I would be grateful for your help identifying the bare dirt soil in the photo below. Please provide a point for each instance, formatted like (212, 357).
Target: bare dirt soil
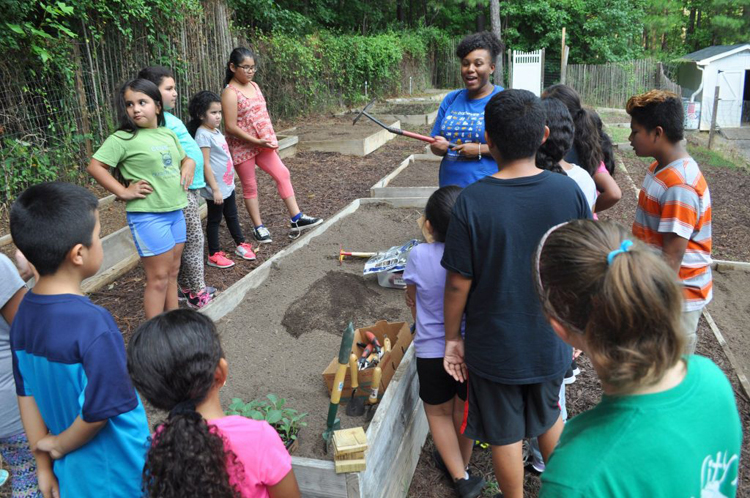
(730, 309)
(418, 174)
(337, 128)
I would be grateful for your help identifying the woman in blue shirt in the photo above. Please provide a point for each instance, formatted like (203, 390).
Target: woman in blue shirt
(460, 119)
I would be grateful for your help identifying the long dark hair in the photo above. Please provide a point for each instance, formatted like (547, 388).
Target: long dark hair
(561, 132)
(143, 86)
(438, 210)
(198, 107)
(238, 55)
(172, 359)
(588, 136)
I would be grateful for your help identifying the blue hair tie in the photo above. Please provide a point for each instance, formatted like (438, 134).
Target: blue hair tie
(624, 247)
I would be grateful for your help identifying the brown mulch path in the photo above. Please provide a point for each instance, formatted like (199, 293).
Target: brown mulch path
(324, 183)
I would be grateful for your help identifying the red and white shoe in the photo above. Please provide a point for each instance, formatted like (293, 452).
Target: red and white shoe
(220, 260)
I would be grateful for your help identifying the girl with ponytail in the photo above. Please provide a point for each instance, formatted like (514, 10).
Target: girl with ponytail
(667, 424)
(592, 147)
(177, 363)
(552, 152)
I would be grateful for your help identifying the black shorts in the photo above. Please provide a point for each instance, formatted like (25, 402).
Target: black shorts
(436, 386)
(501, 414)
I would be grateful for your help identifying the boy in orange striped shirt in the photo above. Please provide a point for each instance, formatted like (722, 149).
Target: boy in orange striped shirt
(674, 204)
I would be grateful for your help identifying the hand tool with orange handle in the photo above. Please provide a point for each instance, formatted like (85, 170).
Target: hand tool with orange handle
(356, 406)
(333, 423)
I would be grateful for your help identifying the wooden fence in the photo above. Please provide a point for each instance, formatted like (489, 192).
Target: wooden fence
(611, 85)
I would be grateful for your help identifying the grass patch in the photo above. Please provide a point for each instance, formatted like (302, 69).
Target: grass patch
(617, 134)
(706, 157)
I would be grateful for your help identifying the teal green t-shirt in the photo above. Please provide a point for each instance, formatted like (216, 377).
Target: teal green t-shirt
(154, 155)
(189, 146)
(684, 442)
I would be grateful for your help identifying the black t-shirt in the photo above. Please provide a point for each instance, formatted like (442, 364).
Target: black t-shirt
(494, 231)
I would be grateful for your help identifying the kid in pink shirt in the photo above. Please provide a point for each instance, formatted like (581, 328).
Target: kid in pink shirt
(176, 362)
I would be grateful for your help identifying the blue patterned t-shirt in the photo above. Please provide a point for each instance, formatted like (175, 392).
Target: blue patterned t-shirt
(461, 120)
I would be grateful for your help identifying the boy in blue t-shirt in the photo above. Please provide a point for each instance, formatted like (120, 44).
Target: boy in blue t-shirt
(80, 411)
(510, 355)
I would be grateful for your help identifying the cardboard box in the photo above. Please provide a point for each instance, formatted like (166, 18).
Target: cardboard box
(400, 336)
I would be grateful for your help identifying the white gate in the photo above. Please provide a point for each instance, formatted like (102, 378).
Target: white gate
(528, 70)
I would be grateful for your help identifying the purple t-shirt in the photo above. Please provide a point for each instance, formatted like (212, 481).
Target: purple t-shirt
(424, 270)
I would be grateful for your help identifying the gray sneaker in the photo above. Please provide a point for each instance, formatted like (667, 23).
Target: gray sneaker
(262, 235)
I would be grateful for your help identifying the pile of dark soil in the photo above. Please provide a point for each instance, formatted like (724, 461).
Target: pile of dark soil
(336, 298)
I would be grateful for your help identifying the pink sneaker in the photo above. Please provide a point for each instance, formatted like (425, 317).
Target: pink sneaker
(220, 260)
(245, 251)
(199, 300)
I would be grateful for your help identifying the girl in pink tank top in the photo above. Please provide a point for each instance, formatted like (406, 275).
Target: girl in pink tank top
(252, 140)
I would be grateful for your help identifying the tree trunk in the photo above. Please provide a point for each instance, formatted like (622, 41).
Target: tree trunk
(480, 18)
(691, 22)
(400, 11)
(497, 29)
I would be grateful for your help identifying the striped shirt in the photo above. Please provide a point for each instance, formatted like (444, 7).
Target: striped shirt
(676, 200)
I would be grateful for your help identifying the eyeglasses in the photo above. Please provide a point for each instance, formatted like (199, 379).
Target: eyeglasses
(248, 69)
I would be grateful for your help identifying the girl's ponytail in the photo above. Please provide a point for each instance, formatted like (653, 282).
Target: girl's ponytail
(560, 139)
(187, 458)
(172, 360)
(623, 298)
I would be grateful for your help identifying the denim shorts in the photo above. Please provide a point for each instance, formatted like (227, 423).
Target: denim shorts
(157, 233)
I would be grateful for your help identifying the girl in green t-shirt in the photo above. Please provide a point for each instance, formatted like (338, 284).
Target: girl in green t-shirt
(667, 424)
(158, 173)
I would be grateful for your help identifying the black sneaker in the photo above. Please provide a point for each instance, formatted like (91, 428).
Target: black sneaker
(262, 235)
(303, 223)
(469, 488)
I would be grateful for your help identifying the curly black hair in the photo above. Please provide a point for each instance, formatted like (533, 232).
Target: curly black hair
(483, 40)
(172, 359)
(561, 132)
(590, 138)
(198, 107)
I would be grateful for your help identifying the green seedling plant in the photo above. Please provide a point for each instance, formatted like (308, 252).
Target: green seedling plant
(286, 421)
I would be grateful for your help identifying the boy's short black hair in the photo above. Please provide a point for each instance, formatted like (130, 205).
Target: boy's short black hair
(49, 219)
(484, 40)
(515, 120)
(659, 108)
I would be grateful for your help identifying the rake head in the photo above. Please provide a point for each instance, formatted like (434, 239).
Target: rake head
(363, 111)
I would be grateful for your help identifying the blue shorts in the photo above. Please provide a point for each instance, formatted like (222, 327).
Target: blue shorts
(157, 233)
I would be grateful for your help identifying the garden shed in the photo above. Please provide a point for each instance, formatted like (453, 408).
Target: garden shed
(723, 66)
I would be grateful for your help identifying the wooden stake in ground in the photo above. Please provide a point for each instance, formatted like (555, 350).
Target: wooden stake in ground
(714, 112)
(563, 59)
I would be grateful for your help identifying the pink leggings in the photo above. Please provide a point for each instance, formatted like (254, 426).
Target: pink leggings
(270, 162)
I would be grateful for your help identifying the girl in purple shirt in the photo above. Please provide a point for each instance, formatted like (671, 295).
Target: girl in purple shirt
(443, 396)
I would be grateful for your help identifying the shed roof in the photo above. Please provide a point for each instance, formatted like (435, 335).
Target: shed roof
(709, 54)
